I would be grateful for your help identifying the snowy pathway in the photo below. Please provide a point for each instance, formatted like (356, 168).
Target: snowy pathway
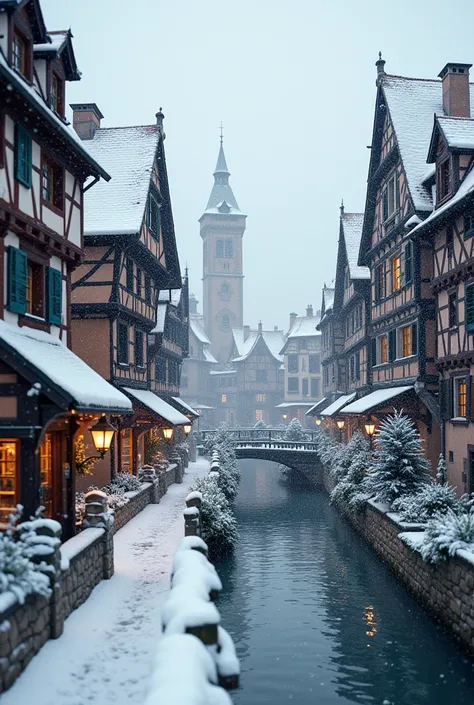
(106, 651)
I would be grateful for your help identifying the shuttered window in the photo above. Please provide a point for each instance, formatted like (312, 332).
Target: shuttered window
(414, 339)
(22, 156)
(469, 224)
(357, 365)
(469, 307)
(392, 345)
(54, 296)
(383, 347)
(17, 280)
(154, 217)
(408, 262)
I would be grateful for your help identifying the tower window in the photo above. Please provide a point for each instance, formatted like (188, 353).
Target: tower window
(229, 248)
(220, 248)
(224, 292)
(225, 323)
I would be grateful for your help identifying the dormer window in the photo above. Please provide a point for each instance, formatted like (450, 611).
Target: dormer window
(57, 95)
(443, 179)
(19, 54)
(391, 198)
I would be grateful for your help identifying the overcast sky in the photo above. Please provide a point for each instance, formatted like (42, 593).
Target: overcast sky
(294, 83)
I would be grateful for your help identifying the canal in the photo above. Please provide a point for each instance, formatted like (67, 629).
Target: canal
(317, 618)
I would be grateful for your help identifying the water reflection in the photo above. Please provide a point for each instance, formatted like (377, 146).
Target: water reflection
(317, 618)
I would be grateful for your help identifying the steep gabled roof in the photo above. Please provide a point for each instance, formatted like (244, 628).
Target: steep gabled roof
(273, 340)
(35, 16)
(128, 154)
(303, 327)
(352, 233)
(459, 132)
(222, 199)
(60, 44)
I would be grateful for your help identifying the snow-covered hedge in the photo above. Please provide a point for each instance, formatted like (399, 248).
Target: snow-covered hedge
(218, 524)
(349, 468)
(426, 502)
(123, 481)
(446, 534)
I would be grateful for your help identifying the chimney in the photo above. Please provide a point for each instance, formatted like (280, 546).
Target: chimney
(455, 82)
(293, 317)
(246, 332)
(260, 329)
(193, 304)
(86, 119)
(380, 64)
(309, 311)
(159, 121)
(275, 328)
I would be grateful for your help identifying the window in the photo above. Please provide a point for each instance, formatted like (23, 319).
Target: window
(292, 363)
(224, 292)
(391, 198)
(468, 308)
(122, 344)
(139, 360)
(460, 397)
(229, 248)
(408, 340)
(46, 478)
(160, 369)
(173, 372)
(357, 364)
(261, 376)
(408, 262)
(154, 217)
(315, 388)
(380, 287)
(126, 446)
(8, 476)
(314, 363)
(148, 289)
(139, 282)
(326, 376)
(305, 386)
(35, 289)
(261, 397)
(453, 310)
(352, 368)
(129, 274)
(52, 183)
(220, 248)
(396, 273)
(293, 385)
(383, 350)
(23, 156)
(449, 245)
(19, 54)
(225, 322)
(57, 95)
(258, 415)
(443, 179)
(468, 224)
(224, 398)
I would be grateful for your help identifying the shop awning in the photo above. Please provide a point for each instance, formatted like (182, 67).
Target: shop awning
(337, 405)
(318, 407)
(47, 362)
(158, 406)
(375, 399)
(289, 404)
(184, 407)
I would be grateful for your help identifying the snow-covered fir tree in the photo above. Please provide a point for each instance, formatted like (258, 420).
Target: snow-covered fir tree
(356, 462)
(399, 467)
(327, 447)
(219, 528)
(429, 500)
(441, 471)
(295, 431)
(445, 534)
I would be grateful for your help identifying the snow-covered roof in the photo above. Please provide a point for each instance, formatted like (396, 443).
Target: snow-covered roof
(273, 339)
(37, 100)
(459, 132)
(160, 317)
(317, 407)
(328, 298)
(352, 226)
(222, 372)
(60, 367)
(337, 405)
(412, 102)
(208, 356)
(196, 327)
(305, 326)
(380, 396)
(158, 406)
(466, 189)
(57, 41)
(186, 406)
(128, 154)
(287, 404)
(172, 296)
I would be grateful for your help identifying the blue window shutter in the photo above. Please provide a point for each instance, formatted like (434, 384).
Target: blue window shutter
(54, 296)
(392, 345)
(23, 167)
(408, 263)
(17, 273)
(373, 351)
(385, 205)
(469, 308)
(414, 339)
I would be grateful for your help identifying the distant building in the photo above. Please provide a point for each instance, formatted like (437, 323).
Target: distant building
(222, 226)
(302, 366)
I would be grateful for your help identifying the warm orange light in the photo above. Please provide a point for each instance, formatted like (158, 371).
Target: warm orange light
(369, 428)
(102, 433)
(187, 428)
(340, 424)
(318, 422)
(168, 433)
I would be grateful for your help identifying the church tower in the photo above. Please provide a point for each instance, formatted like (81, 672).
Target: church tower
(222, 229)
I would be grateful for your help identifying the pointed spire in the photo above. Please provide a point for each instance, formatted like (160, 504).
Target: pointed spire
(380, 64)
(221, 166)
(341, 208)
(222, 199)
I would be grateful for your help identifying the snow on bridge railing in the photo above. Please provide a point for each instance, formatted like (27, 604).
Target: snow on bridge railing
(277, 445)
(246, 434)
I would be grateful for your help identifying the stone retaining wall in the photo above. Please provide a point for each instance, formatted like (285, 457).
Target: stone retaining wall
(86, 570)
(446, 589)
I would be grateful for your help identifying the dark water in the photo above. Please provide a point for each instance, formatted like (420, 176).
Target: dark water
(317, 618)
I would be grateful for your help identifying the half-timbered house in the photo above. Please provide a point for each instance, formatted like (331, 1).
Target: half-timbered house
(48, 396)
(129, 278)
(449, 233)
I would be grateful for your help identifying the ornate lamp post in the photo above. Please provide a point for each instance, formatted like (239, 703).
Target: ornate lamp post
(340, 424)
(168, 433)
(102, 434)
(187, 428)
(284, 417)
(318, 421)
(370, 430)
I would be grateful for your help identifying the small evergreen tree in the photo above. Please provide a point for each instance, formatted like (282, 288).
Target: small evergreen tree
(261, 424)
(357, 460)
(399, 467)
(446, 534)
(218, 525)
(295, 431)
(431, 499)
(441, 471)
(327, 447)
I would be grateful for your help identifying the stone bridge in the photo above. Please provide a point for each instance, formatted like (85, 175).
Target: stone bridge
(268, 444)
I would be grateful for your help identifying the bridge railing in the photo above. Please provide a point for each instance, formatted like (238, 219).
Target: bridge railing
(277, 444)
(270, 435)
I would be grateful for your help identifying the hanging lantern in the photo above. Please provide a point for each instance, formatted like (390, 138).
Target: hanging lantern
(340, 424)
(187, 428)
(369, 428)
(318, 421)
(102, 434)
(168, 433)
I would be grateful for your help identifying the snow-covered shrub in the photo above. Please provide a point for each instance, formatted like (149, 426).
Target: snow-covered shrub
(343, 455)
(229, 471)
(116, 499)
(80, 507)
(123, 481)
(426, 502)
(260, 424)
(18, 574)
(218, 525)
(399, 467)
(327, 447)
(295, 432)
(446, 534)
(350, 475)
(441, 470)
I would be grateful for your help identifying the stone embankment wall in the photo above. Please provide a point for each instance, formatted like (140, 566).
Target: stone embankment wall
(85, 560)
(446, 589)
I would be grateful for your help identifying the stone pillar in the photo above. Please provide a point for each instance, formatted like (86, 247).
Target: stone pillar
(175, 458)
(192, 521)
(51, 531)
(98, 517)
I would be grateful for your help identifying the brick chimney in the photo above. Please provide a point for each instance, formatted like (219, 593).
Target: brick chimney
(246, 332)
(193, 304)
(309, 311)
(455, 82)
(86, 119)
(260, 328)
(293, 317)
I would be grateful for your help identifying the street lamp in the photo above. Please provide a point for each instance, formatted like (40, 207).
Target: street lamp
(370, 430)
(102, 434)
(168, 433)
(187, 428)
(318, 421)
(284, 416)
(340, 425)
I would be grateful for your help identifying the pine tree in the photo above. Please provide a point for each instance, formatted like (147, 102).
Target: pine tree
(400, 467)
(295, 431)
(441, 470)
(218, 525)
(357, 461)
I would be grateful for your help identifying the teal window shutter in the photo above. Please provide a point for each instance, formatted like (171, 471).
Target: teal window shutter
(414, 339)
(408, 263)
(17, 275)
(392, 345)
(54, 296)
(468, 224)
(469, 308)
(23, 156)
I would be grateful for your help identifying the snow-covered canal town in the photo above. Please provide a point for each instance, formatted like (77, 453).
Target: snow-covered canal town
(236, 353)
